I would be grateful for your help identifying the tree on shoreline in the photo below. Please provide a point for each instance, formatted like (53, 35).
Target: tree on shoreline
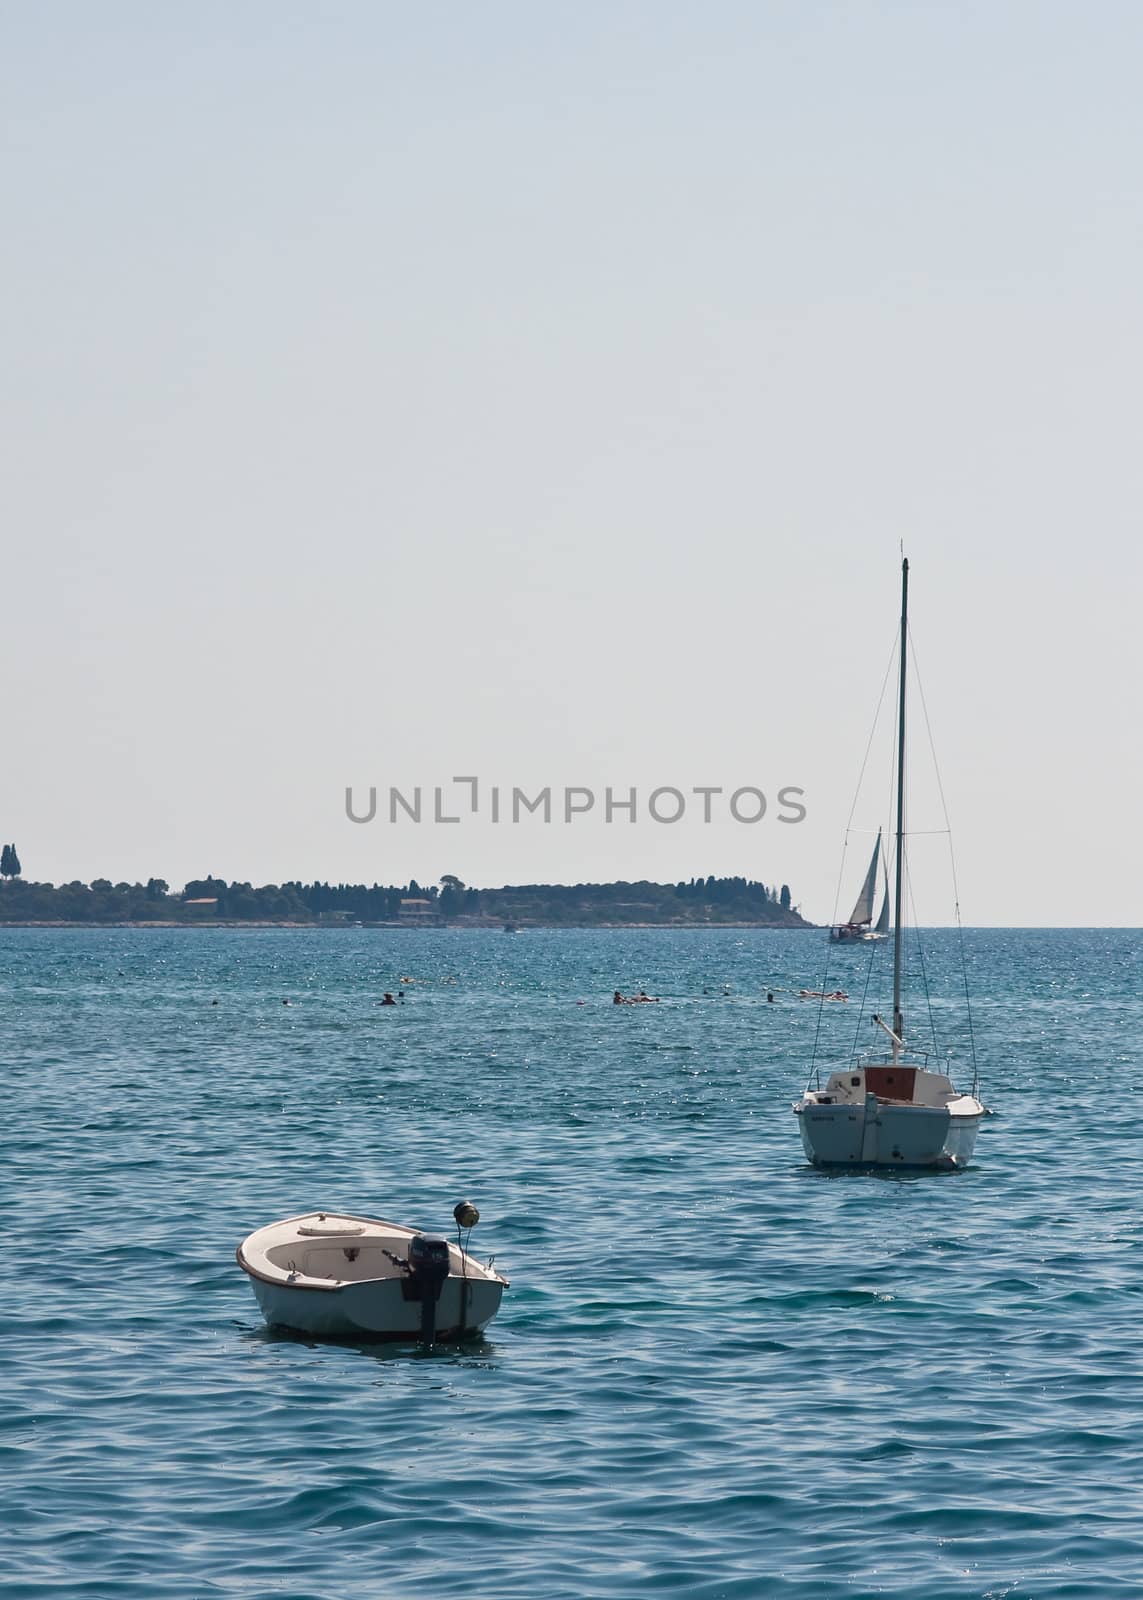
(451, 895)
(9, 862)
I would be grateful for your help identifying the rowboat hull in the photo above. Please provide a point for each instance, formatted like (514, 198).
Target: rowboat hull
(376, 1310)
(338, 1276)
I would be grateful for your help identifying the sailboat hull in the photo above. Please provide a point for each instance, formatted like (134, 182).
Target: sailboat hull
(877, 1134)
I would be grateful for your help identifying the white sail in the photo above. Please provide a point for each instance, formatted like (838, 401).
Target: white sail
(863, 910)
(883, 919)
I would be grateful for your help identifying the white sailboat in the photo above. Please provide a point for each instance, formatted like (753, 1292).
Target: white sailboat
(860, 928)
(892, 1109)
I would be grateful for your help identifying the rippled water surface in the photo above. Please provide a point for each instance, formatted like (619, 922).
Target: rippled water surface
(717, 1372)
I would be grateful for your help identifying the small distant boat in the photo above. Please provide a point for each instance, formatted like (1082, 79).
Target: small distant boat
(861, 929)
(339, 1276)
(895, 1112)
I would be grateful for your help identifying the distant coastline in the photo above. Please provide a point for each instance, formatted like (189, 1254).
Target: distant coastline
(214, 903)
(457, 925)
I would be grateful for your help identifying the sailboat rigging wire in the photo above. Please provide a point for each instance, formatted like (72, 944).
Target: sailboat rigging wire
(884, 994)
(885, 977)
(873, 954)
(952, 864)
(921, 959)
(872, 733)
(813, 1072)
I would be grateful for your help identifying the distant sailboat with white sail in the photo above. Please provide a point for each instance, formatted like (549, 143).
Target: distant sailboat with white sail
(860, 928)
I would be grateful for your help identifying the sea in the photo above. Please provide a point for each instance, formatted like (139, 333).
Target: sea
(717, 1373)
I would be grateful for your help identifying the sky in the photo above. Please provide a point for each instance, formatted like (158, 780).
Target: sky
(545, 394)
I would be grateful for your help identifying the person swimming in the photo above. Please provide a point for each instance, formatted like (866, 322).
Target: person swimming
(387, 999)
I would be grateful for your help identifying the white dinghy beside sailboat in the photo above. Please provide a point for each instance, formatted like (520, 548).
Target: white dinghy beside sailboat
(891, 1110)
(339, 1276)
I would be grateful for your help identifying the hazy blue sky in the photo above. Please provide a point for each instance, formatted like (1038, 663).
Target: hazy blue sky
(541, 393)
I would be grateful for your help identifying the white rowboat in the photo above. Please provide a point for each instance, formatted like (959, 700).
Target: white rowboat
(339, 1276)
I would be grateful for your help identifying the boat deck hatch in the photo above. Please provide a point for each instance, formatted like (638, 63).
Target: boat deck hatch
(891, 1083)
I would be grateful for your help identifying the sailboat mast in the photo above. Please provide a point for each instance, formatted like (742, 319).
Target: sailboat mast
(898, 1019)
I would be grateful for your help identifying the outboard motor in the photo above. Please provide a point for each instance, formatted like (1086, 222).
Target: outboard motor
(428, 1269)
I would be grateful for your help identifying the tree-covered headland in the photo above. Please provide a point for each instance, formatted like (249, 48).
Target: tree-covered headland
(210, 900)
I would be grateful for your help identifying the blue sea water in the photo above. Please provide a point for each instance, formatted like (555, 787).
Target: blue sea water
(717, 1373)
